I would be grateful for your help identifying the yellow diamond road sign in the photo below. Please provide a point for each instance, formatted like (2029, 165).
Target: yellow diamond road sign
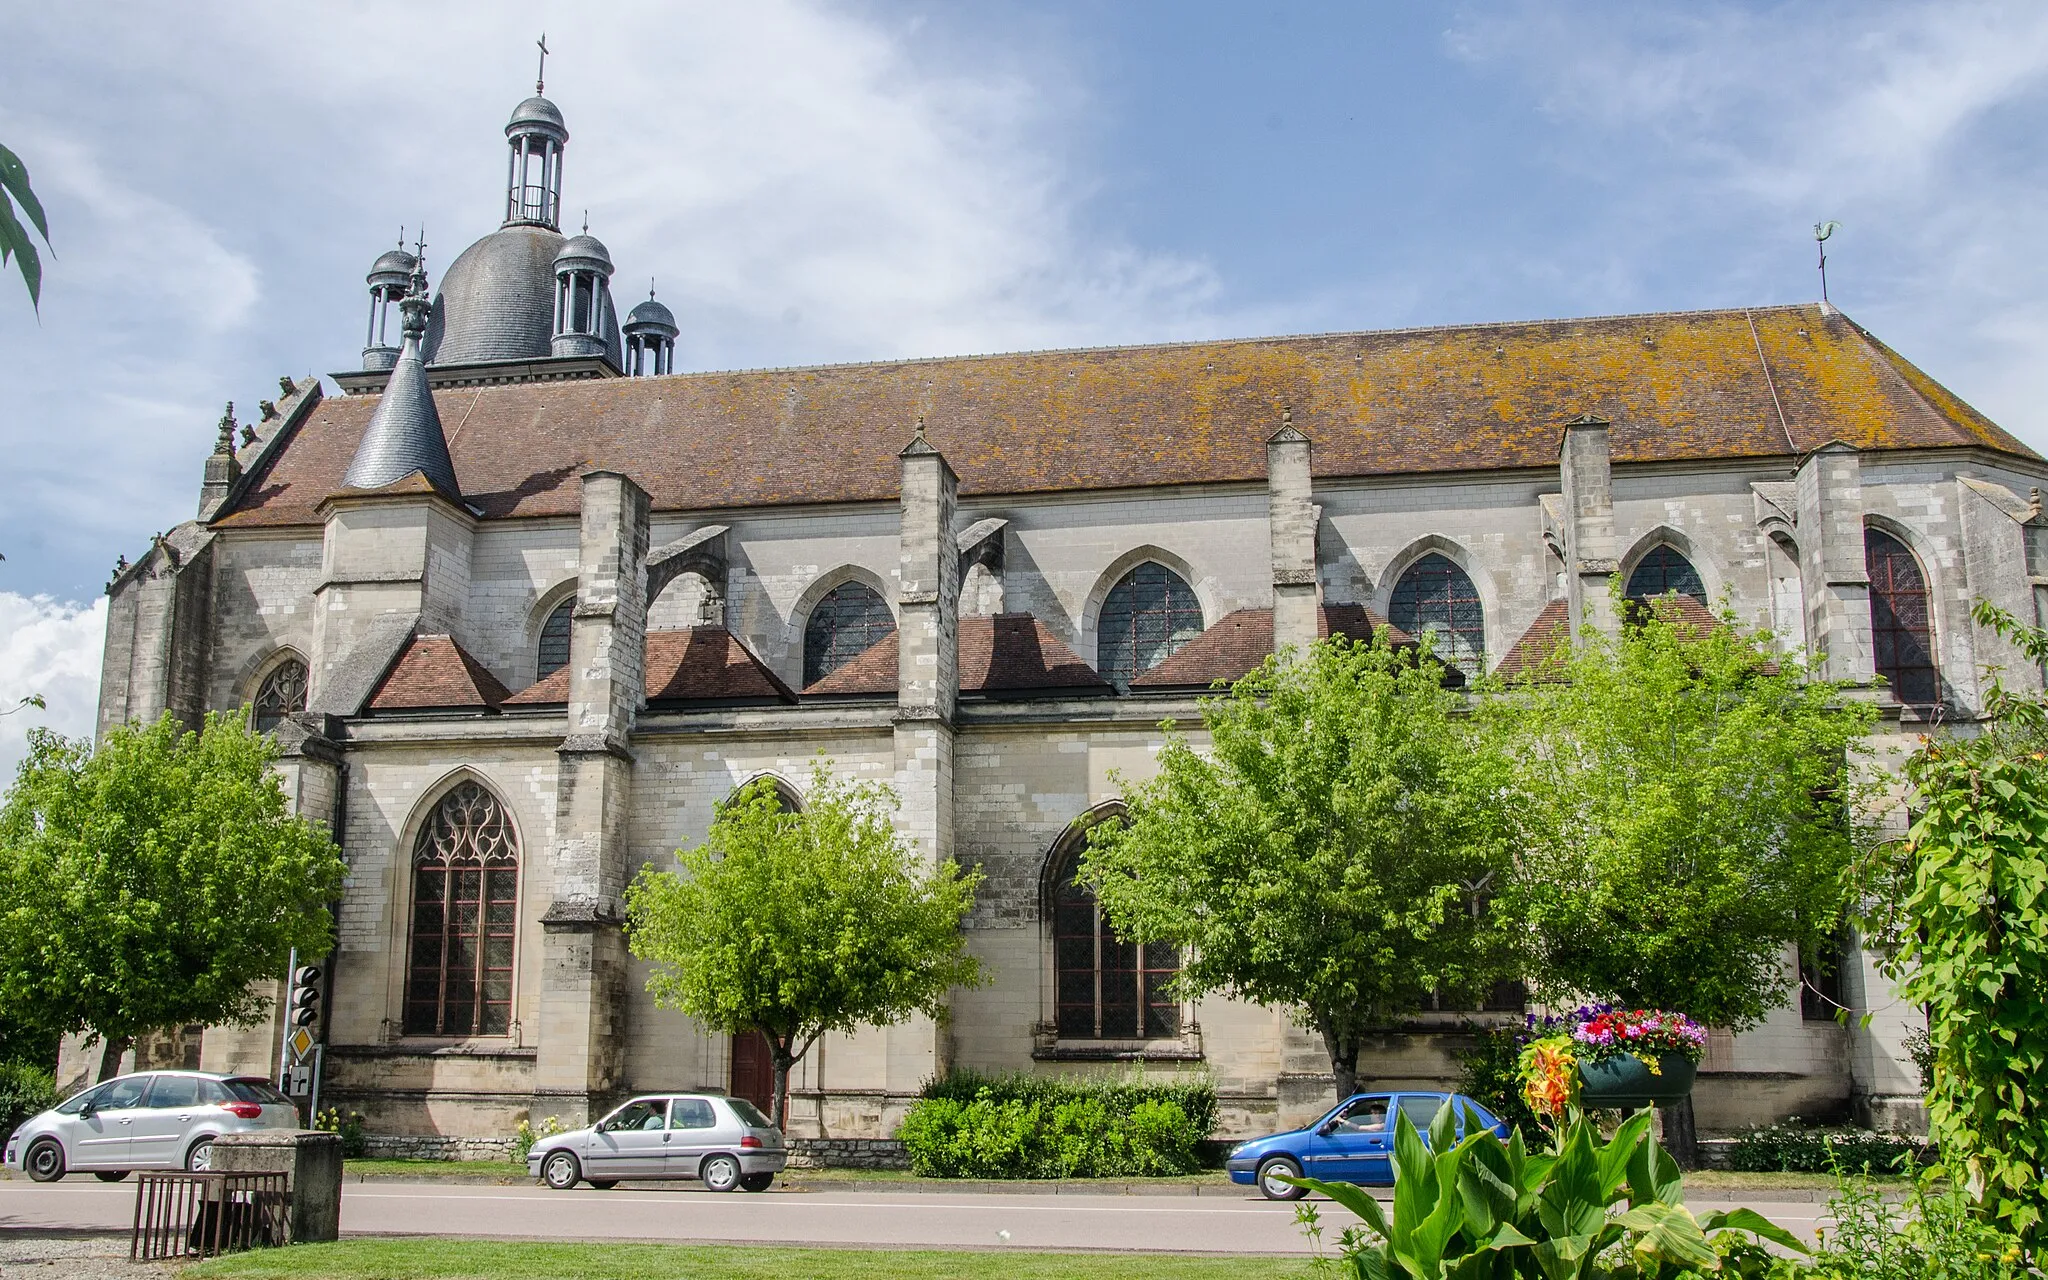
(301, 1042)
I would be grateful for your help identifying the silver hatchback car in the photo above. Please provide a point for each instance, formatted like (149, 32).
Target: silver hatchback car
(724, 1141)
(149, 1120)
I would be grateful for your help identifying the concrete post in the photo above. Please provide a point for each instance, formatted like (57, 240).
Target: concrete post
(583, 985)
(1590, 552)
(311, 1163)
(1833, 573)
(1291, 532)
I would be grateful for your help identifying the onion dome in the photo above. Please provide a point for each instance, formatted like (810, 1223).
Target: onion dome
(651, 317)
(583, 253)
(497, 300)
(392, 269)
(537, 115)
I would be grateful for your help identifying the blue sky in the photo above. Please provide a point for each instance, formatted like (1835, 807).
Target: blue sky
(815, 182)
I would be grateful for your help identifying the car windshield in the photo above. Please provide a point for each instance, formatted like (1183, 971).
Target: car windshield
(749, 1114)
(258, 1091)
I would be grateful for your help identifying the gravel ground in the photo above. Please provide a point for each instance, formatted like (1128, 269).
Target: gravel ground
(75, 1257)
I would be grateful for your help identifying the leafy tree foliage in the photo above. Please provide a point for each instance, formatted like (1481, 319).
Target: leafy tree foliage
(1328, 853)
(1970, 928)
(1681, 800)
(14, 238)
(795, 924)
(148, 884)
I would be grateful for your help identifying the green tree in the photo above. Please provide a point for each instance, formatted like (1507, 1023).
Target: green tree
(1968, 925)
(1329, 853)
(14, 238)
(149, 883)
(1682, 801)
(796, 924)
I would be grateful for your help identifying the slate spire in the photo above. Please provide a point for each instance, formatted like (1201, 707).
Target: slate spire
(405, 434)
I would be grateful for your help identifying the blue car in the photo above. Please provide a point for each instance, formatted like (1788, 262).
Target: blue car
(1353, 1142)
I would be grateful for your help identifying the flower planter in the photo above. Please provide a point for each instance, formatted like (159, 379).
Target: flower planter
(1623, 1081)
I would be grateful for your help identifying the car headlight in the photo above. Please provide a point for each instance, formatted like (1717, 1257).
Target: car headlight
(1237, 1150)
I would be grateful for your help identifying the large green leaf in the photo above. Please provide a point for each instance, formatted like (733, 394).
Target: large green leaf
(1571, 1202)
(1560, 1257)
(1669, 1233)
(1614, 1156)
(1755, 1223)
(1352, 1197)
(14, 178)
(1415, 1189)
(1487, 1185)
(1653, 1176)
(14, 239)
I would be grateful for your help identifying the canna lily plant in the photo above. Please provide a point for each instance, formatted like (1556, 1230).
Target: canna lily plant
(1483, 1209)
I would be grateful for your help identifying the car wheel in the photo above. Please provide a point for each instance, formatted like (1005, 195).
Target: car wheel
(200, 1158)
(560, 1170)
(45, 1161)
(1270, 1172)
(605, 1185)
(721, 1173)
(111, 1175)
(757, 1181)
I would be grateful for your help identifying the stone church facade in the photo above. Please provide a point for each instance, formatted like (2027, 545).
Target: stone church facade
(523, 606)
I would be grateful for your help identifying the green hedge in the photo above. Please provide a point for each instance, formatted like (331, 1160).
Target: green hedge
(970, 1125)
(25, 1090)
(1796, 1148)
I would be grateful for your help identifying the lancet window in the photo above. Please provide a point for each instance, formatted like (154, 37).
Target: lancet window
(283, 692)
(465, 874)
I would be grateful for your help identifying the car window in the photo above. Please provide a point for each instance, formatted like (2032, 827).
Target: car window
(122, 1093)
(1362, 1116)
(749, 1114)
(257, 1091)
(174, 1092)
(691, 1113)
(1420, 1110)
(210, 1091)
(73, 1106)
(637, 1115)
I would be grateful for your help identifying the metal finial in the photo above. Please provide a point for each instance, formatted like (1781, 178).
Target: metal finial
(420, 246)
(401, 237)
(586, 222)
(1821, 232)
(650, 288)
(540, 79)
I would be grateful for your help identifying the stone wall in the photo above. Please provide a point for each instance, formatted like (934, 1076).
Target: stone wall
(847, 1153)
(437, 1146)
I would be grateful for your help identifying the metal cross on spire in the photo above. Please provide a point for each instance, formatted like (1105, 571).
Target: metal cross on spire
(540, 79)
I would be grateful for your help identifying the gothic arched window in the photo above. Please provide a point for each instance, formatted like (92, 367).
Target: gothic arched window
(851, 619)
(1664, 571)
(283, 692)
(554, 640)
(1901, 623)
(1436, 596)
(1106, 988)
(465, 878)
(1148, 615)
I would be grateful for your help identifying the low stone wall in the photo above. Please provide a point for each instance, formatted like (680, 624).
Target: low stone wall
(384, 1146)
(847, 1153)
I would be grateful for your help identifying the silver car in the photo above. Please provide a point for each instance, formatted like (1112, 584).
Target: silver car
(724, 1141)
(149, 1120)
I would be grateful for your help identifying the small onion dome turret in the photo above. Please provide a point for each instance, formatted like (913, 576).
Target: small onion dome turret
(583, 253)
(650, 339)
(538, 115)
(392, 270)
(651, 317)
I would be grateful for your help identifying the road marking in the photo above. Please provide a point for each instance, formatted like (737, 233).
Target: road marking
(1066, 1203)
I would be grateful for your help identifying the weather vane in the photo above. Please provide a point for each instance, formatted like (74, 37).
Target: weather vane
(540, 79)
(1821, 232)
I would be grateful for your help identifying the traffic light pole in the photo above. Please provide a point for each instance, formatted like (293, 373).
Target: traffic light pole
(284, 1037)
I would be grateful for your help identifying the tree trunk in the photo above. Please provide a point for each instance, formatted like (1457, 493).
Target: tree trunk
(111, 1049)
(1343, 1051)
(780, 1106)
(1681, 1139)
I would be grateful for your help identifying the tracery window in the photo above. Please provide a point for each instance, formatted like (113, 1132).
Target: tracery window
(1901, 623)
(1107, 989)
(1146, 617)
(464, 916)
(283, 692)
(1664, 571)
(554, 640)
(1435, 596)
(851, 619)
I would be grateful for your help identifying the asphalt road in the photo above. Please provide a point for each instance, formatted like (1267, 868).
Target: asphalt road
(685, 1212)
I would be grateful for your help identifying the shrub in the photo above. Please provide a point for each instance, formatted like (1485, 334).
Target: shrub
(526, 1135)
(25, 1089)
(1492, 1075)
(1797, 1148)
(355, 1142)
(969, 1125)
(1935, 1234)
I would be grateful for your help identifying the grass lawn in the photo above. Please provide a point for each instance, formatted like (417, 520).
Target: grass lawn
(466, 1169)
(492, 1260)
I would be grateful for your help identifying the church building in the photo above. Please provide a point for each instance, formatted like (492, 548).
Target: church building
(526, 601)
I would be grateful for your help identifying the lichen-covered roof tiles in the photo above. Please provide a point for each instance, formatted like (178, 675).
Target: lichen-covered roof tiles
(435, 673)
(1241, 640)
(1773, 382)
(1008, 655)
(691, 664)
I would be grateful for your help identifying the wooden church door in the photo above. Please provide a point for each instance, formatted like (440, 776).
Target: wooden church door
(753, 1070)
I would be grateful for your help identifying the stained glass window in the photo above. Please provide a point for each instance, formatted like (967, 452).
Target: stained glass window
(283, 692)
(464, 918)
(1437, 597)
(1662, 572)
(850, 620)
(1108, 989)
(554, 640)
(1148, 615)
(1901, 623)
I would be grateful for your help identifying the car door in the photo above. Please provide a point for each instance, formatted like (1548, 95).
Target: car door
(1354, 1145)
(629, 1143)
(694, 1130)
(166, 1116)
(106, 1138)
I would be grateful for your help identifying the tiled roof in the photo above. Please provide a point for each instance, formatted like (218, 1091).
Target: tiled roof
(1240, 641)
(435, 672)
(1543, 642)
(1010, 654)
(693, 664)
(1774, 382)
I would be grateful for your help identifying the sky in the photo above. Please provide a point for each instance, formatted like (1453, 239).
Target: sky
(809, 182)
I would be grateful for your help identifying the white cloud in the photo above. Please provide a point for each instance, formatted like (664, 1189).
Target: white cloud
(52, 649)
